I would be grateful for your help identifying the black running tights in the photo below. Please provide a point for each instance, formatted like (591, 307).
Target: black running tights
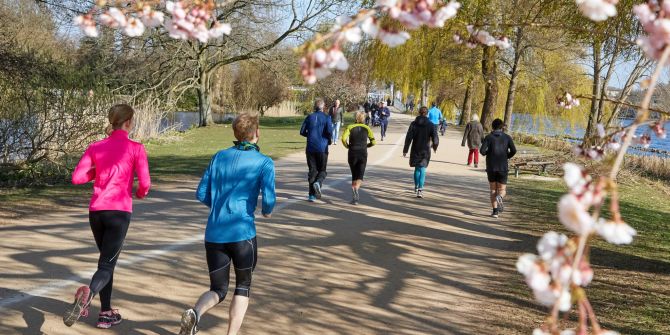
(109, 230)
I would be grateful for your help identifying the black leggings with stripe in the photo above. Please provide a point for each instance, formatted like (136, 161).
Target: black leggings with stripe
(109, 230)
(242, 255)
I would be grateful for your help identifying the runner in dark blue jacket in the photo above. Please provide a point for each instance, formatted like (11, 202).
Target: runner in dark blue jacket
(318, 128)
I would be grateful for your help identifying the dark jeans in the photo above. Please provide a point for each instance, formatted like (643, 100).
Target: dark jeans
(109, 230)
(384, 126)
(317, 163)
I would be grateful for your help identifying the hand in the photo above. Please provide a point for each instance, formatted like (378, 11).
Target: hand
(267, 216)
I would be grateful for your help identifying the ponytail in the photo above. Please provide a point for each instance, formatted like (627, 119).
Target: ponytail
(117, 116)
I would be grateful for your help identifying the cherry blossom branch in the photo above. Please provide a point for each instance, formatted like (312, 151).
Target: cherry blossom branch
(620, 102)
(642, 114)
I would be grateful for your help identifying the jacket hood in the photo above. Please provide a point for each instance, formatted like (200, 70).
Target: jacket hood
(421, 120)
(497, 133)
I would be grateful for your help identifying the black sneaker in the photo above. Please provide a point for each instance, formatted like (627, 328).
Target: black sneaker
(189, 322)
(317, 190)
(495, 213)
(501, 206)
(476, 166)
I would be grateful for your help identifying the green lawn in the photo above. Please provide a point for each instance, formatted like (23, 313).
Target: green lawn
(186, 155)
(631, 291)
(190, 154)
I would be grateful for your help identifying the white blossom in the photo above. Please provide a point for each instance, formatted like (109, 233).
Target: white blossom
(573, 215)
(549, 244)
(615, 232)
(597, 10)
(134, 27)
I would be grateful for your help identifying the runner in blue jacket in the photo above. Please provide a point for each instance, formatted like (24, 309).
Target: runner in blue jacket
(230, 188)
(318, 128)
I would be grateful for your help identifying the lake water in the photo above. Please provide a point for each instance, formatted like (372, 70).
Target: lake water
(555, 126)
(182, 121)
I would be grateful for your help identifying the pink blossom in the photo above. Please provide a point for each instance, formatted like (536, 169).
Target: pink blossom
(87, 25)
(134, 27)
(458, 39)
(615, 232)
(502, 43)
(584, 274)
(644, 140)
(445, 13)
(573, 215)
(114, 18)
(567, 101)
(152, 18)
(597, 10)
(369, 26)
(659, 129)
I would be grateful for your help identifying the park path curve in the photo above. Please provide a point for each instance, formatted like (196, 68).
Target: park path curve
(392, 265)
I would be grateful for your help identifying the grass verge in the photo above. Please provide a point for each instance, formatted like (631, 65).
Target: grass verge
(630, 291)
(187, 156)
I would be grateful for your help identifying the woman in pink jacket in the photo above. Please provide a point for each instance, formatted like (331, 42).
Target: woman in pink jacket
(111, 164)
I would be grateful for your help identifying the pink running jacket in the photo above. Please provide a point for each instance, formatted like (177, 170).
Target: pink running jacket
(113, 163)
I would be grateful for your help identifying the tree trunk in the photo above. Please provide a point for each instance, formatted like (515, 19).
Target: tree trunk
(204, 101)
(511, 91)
(490, 72)
(424, 93)
(466, 109)
(595, 91)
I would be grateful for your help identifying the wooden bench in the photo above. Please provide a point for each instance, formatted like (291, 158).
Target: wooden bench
(542, 165)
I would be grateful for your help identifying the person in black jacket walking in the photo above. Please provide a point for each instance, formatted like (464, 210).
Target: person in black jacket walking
(498, 148)
(422, 135)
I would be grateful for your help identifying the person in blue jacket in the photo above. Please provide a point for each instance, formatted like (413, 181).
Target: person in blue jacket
(318, 128)
(435, 115)
(230, 188)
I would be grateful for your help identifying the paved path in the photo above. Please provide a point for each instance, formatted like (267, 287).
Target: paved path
(392, 265)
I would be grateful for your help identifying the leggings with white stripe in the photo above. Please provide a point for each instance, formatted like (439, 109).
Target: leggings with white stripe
(109, 230)
(242, 255)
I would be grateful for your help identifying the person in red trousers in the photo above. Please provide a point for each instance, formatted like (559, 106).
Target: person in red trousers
(474, 132)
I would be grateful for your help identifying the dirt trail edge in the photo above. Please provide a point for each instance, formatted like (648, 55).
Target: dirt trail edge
(394, 264)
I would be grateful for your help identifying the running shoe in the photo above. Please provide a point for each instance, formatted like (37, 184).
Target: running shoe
(82, 298)
(476, 165)
(495, 213)
(108, 319)
(317, 190)
(189, 322)
(356, 195)
(501, 206)
(311, 198)
(419, 193)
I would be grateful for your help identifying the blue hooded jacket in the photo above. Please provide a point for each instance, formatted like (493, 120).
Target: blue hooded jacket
(230, 188)
(318, 128)
(434, 114)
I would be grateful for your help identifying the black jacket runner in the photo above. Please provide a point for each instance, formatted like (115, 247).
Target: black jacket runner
(421, 134)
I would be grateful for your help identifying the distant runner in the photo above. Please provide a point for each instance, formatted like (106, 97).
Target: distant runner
(498, 147)
(358, 138)
(384, 116)
(422, 135)
(230, 188)
(111, 164)
(474, 132)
